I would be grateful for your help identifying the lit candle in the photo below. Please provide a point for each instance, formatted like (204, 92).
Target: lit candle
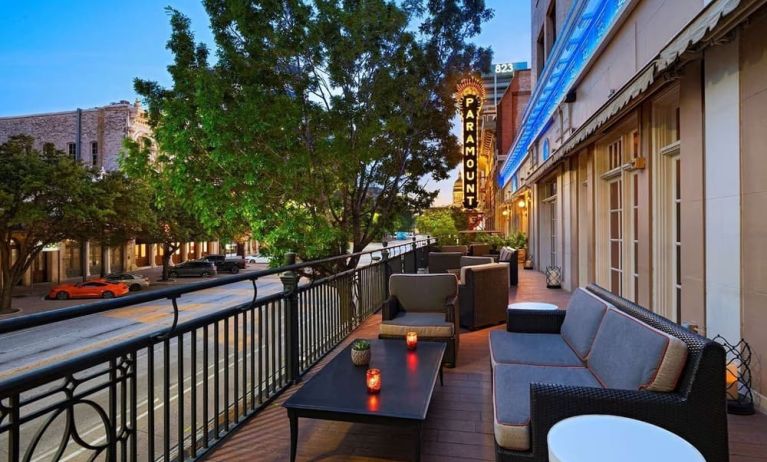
(731, 380)
(412, 340)
(374, 380)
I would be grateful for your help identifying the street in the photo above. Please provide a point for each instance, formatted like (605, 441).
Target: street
(33, 348)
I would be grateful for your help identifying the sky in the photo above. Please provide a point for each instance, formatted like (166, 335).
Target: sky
(58, 55)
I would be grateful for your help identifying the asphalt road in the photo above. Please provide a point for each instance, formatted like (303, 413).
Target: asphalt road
(33, 348)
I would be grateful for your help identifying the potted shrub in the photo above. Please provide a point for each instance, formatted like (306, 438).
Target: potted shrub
(518, 240)
(361, 352)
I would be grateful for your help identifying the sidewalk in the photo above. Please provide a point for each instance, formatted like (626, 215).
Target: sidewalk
(32, 299)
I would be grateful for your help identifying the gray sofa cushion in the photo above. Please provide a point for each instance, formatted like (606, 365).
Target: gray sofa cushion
(584, 314)
(628, 354)
(511, 398)
(532, 349)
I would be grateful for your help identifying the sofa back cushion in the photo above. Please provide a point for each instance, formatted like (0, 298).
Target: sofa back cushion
(630, 355)
(423, 292)
(584, 314)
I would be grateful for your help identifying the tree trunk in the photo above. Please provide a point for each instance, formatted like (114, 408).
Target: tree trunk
(167, 254)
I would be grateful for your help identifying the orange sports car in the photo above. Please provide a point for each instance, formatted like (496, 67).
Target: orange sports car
(98, 288)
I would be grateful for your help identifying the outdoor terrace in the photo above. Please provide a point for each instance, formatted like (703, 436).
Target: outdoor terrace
(460, 420)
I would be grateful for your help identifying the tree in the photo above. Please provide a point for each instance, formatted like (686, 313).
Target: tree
(439, 223)
(319, 119)
(168, 220)
(44, 198)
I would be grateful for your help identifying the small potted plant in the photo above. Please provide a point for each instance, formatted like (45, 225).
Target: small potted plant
(361, 352)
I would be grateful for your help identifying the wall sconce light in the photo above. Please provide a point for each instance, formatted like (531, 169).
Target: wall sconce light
(505, 212)
(521, 204)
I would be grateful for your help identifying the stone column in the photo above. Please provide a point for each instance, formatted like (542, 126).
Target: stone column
(151, 250)
(86, 258)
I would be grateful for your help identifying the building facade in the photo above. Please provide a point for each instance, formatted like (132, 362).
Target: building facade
(95, 137)
(642, 151)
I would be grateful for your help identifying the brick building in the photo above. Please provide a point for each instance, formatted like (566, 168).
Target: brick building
(94, 136)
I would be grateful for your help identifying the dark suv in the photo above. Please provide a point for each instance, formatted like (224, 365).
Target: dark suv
(229, 265)
(194, 268)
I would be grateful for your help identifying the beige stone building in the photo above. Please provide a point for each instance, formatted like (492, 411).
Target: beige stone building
(642, 151)
(95, 136)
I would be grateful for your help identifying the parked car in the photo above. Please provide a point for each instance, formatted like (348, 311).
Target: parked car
(133, 281)
(224, 264)
(98, 288)
(193, 268)
(258, 258)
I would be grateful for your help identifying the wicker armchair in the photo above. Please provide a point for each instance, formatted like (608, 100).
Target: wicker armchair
(483, 294)
(442, 262)
(425, 304)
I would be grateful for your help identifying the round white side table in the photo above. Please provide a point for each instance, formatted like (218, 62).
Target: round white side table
(609, 438)
(532, 306)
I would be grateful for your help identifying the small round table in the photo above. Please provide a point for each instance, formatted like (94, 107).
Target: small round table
(603, 438)
(532, 306)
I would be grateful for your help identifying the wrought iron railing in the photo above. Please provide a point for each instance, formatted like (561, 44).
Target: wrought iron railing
(174, 393)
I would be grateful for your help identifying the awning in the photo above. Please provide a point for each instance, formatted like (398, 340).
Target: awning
(695, 32)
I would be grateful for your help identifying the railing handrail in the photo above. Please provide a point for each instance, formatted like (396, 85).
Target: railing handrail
(64, 314)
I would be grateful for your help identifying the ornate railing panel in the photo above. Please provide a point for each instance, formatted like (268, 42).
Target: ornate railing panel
(174, 393)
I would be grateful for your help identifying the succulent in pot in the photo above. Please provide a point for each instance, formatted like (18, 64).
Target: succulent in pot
(361, 352)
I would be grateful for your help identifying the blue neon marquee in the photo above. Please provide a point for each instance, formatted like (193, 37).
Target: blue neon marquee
(587, 25)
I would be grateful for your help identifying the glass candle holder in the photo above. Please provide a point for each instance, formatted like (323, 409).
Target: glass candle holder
(373, 380)
(412, 340)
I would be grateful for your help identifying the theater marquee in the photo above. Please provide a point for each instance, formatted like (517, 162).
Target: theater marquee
(469, 95)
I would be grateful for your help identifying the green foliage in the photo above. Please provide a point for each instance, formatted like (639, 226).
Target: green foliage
(438, 223)
(517, 240)
(319, 119)
(167, 217)
(361, 345)
(44, 198)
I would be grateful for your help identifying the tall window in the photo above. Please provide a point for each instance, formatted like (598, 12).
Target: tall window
(95, 153)
(551, 27)
(617, 234)
(615, 213)
(667, 206)
(72, 150)
(549, 221)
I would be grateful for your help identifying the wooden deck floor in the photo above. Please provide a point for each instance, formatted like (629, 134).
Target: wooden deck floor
(459, 425)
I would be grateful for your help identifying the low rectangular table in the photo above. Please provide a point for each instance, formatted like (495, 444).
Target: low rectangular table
(338, 391)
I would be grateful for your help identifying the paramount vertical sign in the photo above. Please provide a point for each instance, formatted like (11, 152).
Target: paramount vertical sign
(469, 95)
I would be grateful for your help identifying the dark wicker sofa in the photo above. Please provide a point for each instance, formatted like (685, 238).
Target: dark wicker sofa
(692, 405)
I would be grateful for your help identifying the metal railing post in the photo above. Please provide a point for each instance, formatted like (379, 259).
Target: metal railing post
(289, 285)
(386, 268)
(415, 255)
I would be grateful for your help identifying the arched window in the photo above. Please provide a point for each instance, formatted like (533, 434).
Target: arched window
(546, 149)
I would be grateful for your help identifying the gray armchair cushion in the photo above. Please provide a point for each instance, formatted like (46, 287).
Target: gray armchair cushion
(424, 324)
(531, 349)
(630, 355)
(511, 398)
(423, 292)
(584, 315)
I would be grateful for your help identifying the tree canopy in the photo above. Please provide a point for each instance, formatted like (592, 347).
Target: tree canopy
(319, 119)
(44, 198)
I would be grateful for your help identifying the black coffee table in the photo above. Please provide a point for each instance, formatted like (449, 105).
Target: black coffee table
(338, 391)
